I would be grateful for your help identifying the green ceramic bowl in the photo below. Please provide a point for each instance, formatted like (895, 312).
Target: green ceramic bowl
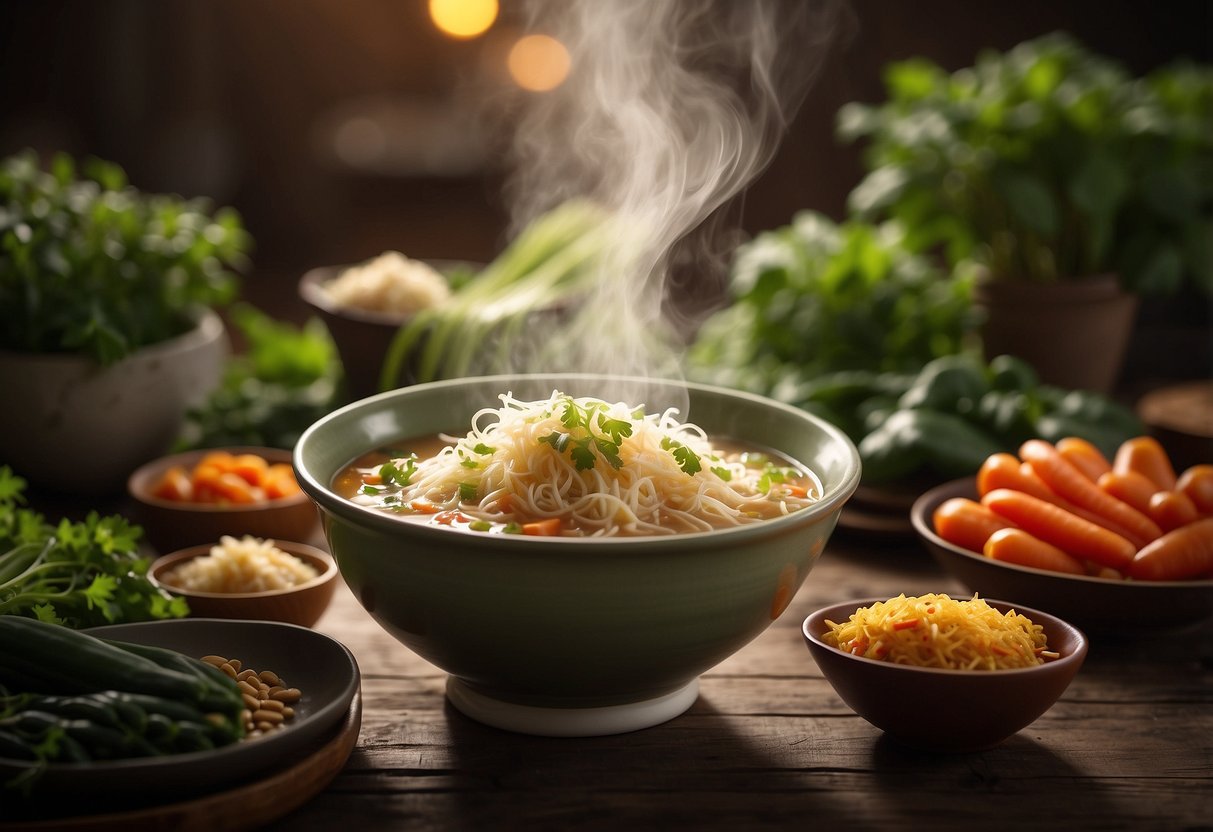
(564, 636)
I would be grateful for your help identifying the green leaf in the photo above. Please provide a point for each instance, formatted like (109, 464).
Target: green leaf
(913, 79)
(583, 457)
(394, 473)
(1162, 273)
(1029, 200)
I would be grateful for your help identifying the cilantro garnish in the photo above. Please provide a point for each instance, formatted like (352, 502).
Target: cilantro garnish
(687, 459)
(773, 475)
(467, 491)
(392, 473)
(589, 430)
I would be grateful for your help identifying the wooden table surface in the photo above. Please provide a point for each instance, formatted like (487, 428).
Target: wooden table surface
(768, 744)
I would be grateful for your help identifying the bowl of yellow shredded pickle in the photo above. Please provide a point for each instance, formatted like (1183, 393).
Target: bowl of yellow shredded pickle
(249, 577)
(943, 673)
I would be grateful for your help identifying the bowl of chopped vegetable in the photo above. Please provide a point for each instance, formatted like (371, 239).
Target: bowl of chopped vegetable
(250, 579)
(944, 674)
(196, 497)
(1093, 601)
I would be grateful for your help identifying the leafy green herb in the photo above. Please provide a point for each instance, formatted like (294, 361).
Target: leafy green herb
(91, 265)
(80, 574)
(370, 490)
(1046, 162)
(483, 449)
(286, 379)
(467, 491)
(817, 297)
(392, 473)
(773, 475)
(687, 459)
(582, 441)
(722, 472)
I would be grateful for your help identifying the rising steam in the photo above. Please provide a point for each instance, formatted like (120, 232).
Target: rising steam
(672, 108)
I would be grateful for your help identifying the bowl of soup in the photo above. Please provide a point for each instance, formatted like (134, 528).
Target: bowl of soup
(576, 550)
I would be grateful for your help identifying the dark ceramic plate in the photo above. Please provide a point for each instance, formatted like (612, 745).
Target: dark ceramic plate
(322, 668)
(1093, 603)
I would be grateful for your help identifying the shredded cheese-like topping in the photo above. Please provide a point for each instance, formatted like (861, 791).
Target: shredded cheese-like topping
(247, 564)
(936, 631)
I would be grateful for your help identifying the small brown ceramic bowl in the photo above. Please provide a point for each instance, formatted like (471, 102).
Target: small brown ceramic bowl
(947, 710)
(1097, 604)
(363, 337)
(169, 525)
(302, 604)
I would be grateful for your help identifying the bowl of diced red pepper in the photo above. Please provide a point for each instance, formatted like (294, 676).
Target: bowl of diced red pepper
(196, 497)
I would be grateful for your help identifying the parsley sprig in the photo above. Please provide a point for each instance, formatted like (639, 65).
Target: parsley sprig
(687, 459)
(590, 430)
(80, 574)
(591, 433)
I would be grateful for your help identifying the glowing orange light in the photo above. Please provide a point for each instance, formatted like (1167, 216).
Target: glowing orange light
(463, 18)
(538, 63)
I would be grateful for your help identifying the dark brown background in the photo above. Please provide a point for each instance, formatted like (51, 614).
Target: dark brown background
(236, 99)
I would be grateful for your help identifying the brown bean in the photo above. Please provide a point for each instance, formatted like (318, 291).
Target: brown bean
(228, 670)
(289, 696)
(272, 705)
(272, 717)
(247, 689)
(269, 677)
(250, 702)
(243, 675)
(288, 712)
(215, 661)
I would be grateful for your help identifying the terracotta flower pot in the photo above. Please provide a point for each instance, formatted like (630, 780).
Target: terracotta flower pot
(76, 427)
(1075, 333)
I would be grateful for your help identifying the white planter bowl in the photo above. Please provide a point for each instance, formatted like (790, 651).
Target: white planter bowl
(75, 427)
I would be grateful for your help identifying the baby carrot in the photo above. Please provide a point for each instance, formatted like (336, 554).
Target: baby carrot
(1018, 547)
(1003, 471)
(1072, 534)
(966, 523)
(1146, 456)
(1172, 509)
(1197, 483)
(1129, 487)
(1066, 480)
(1186, 552)
(1084, 456)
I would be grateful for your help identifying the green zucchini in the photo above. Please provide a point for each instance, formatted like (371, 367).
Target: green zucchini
(84, 663)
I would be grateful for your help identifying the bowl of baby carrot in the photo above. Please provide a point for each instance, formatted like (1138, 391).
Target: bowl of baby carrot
(197, 497)
(1120, 543)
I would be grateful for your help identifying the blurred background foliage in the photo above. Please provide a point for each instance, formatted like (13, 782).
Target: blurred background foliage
(341, 130)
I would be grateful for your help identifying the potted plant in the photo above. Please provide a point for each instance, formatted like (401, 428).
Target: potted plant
(1076, 186)
(107, 331)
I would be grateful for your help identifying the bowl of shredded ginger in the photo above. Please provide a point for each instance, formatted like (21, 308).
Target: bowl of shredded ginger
(945, 674)
(250, 578)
